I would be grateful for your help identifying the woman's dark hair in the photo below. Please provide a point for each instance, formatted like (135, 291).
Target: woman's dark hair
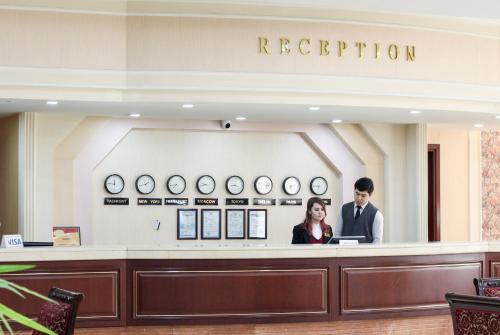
(308, 221)
(364, 184)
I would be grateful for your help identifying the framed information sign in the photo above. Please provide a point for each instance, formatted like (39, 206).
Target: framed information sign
(66, 236)
(210, 224)
(257, 223)
(235, 223)
(187, 224)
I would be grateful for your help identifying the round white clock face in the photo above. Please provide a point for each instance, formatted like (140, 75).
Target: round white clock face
(205, 184)
(263, 185)
(145, 184)
(291, 185)
(318, 185)
(176, 184)
(114, 184)
(235, 185)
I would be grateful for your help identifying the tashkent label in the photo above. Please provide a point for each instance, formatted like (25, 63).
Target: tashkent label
(206, 201)
(177, 201)
(149, 201)
(116, 201)
(236, 201)
(264, 202)
(291, 202)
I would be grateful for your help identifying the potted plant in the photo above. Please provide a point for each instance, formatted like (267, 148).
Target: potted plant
(7, 313)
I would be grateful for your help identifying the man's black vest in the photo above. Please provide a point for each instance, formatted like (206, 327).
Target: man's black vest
(363, 225)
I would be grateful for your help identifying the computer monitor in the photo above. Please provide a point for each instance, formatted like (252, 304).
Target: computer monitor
(336, 239)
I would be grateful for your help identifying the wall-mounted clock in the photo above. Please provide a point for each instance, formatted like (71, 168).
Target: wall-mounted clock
(235, 185)
(114, 184)
(318, 185)
(291, 185)
(263, 185)
(145, 184)
(205, 184)
(176, 184)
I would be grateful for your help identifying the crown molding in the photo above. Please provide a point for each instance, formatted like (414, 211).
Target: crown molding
(274, 10)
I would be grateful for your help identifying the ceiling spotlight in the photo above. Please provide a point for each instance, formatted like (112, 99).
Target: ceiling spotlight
(135, 115)
(314, 108)
(498, 117)
(337, 121)
(415, 112)
(479, 125)
(52, 102)
(187, 106)
(241, 118)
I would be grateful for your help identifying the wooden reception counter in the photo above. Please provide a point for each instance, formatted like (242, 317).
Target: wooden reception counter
(137, 285)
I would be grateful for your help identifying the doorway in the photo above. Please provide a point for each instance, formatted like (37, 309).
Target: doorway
(433, 197)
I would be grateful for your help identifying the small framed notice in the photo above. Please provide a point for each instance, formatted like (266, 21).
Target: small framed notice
(235, 223)
(187, 224)
(66, 236)
(257, 223)
(210, 224)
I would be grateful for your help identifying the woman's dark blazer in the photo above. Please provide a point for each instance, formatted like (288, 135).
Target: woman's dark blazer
(301, 236)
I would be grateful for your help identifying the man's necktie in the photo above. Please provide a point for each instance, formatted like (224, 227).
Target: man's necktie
(358, 212)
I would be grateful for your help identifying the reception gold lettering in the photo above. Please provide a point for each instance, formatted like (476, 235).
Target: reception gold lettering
(342, 47)
(361, 49)
(302, 44)
(263, 45)
(303, 47)
(393, 51)
(410, 53)
(377, 51)
(285, 46)
(323, 47)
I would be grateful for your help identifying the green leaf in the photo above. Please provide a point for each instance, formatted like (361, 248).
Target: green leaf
(19, 318)
(36, 294)
(6, 324)
(14, 268)
(8, 286)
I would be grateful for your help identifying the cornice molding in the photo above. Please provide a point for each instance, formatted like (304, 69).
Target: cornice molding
(256, 10)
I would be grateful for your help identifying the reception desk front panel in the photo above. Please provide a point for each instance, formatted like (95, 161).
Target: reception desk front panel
(133, 291)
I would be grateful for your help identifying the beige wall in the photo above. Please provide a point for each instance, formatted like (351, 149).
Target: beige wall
(192, 154)
(381, 148)
(454, 180)
(9, 165)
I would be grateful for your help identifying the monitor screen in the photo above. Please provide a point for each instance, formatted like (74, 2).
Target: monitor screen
(336, 239)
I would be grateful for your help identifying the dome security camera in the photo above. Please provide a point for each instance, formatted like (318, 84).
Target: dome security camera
(226, 124)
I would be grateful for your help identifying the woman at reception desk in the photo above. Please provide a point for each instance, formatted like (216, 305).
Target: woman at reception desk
(313, 230)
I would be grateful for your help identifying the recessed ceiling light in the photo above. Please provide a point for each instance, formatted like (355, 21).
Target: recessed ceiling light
(52, 102)
(187, 106)
(337, 121)
(479, 125)
(135, 115)
(241, 118)
(415, 112)
(314, 108)
(498, 117)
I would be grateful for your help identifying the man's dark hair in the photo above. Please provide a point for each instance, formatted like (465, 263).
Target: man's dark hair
(364, 184)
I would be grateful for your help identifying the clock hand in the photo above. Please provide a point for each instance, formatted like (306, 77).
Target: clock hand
(203, 184)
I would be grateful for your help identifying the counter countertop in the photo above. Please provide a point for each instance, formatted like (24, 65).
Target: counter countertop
(239, 251)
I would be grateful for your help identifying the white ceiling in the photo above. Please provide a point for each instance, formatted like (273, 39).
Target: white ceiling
(254, 112)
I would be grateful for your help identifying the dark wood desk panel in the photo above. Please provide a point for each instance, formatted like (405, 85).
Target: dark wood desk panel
(399, 285)
(99, 281)
(218, 291)
(493, 262)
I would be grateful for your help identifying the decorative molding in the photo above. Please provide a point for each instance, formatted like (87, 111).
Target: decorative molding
(27, 175)
(475, 177)
(232, 275)
(265, 10)
(398, 273)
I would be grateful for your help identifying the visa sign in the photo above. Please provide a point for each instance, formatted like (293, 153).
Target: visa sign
(12, 241)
